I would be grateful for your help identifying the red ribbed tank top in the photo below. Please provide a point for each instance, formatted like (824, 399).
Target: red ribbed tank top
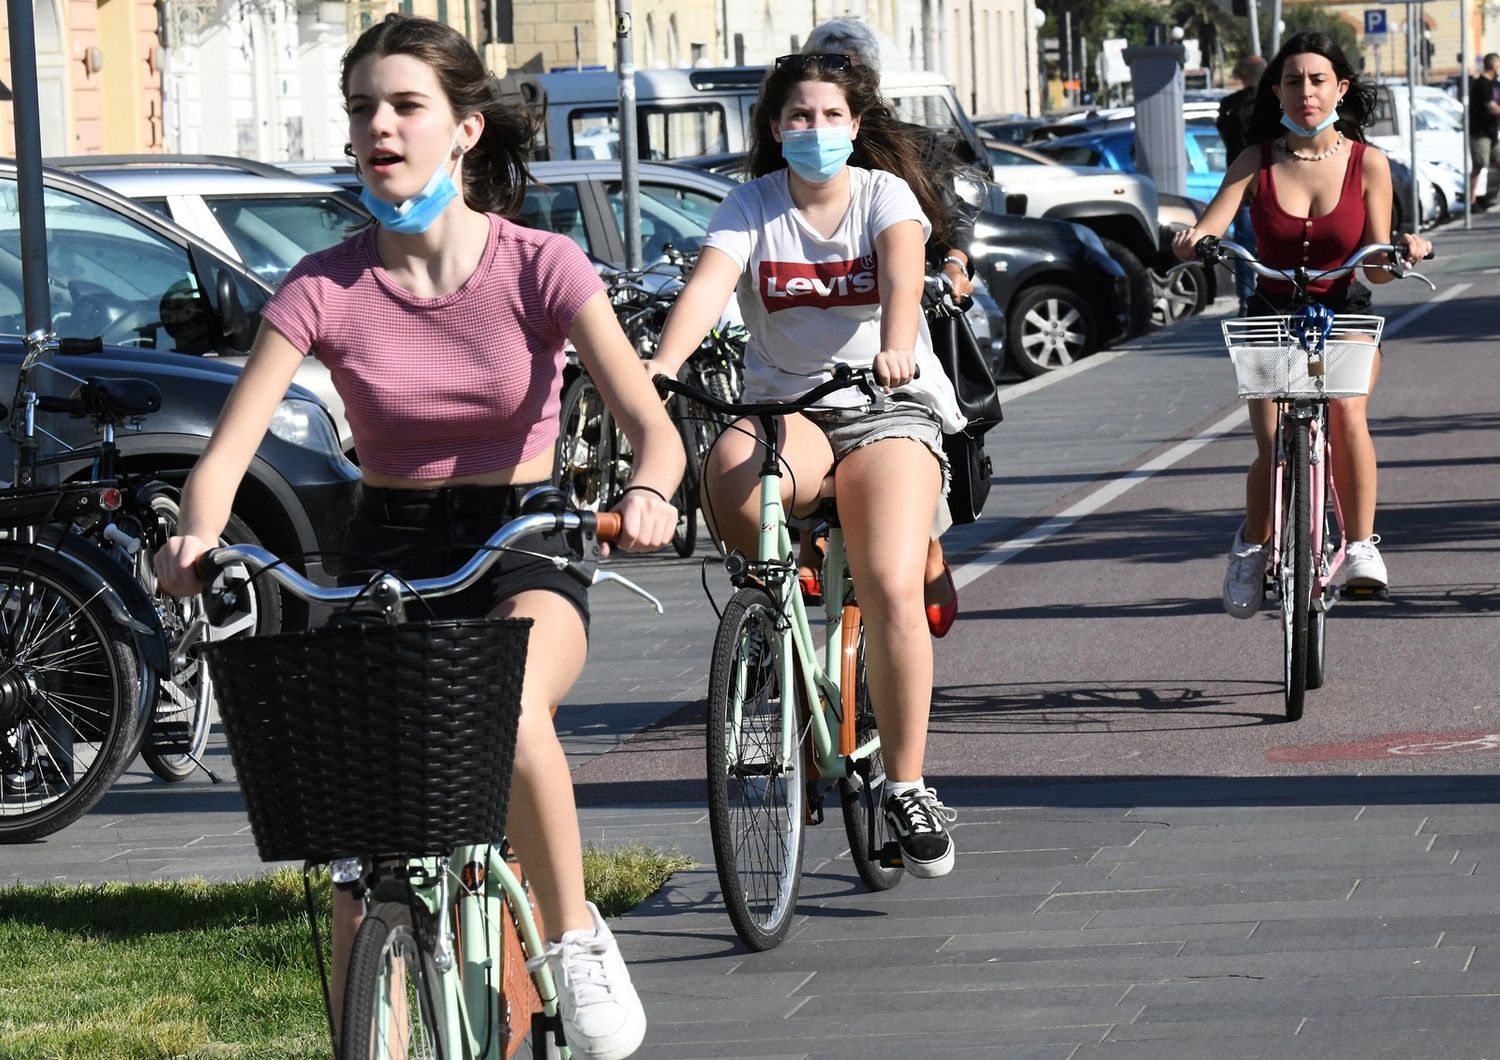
(1284, 241)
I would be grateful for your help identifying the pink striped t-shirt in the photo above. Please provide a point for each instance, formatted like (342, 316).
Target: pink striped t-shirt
(435, 387)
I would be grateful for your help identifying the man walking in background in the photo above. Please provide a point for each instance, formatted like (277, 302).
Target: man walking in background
(1232, 122)
(1484, 130)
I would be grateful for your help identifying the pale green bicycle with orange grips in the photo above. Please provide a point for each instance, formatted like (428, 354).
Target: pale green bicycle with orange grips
(787, 721)
(382, 747)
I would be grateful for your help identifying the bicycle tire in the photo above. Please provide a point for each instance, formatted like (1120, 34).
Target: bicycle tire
(1296, 572)
(177, 734)
(70, 693)
(865, 824)
(578, 464)
(1317, 624)
(755, 795)
(685, 537)
(387, 939)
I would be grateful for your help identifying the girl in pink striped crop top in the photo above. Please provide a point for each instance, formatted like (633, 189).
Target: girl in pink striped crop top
(443, 325)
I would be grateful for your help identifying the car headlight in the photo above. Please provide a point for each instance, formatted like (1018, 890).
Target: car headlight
(1089, 238)
(304, 423)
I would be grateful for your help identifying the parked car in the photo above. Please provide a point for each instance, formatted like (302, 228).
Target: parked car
(252, 211)
(172, 310)
(1114, 148)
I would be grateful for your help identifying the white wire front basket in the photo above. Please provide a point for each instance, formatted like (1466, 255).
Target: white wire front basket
(1269, 362)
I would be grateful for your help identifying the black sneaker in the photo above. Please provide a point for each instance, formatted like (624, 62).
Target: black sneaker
(920, 822)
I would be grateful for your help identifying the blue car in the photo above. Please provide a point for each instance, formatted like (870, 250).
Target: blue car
(1114, 148)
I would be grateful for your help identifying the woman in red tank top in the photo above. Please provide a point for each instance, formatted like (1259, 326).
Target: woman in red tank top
(1317, 193)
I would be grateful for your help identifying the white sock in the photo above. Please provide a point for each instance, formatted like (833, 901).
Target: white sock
(901, 787)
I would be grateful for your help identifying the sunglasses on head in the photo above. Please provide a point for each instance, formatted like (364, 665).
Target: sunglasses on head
(798, 63)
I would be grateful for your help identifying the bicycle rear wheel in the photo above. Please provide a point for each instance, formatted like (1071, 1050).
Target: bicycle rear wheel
(1296, 570)
(579, 466)
(1317, 621)
(755, 788)
(70, 693)
(392, 991)
(863, 797)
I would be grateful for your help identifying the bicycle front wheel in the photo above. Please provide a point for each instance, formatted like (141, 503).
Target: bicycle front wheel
(1296, 571)
(863, 796)
(70, 689)
(393, 991)
(755, 792)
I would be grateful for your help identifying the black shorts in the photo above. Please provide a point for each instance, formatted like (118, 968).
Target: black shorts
(1355, 298)
(426, 533)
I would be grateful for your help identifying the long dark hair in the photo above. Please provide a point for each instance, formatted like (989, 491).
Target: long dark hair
(882, 142)
(1356, 111)
(494, 169)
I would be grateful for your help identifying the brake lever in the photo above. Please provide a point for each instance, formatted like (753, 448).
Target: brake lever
(601, 576)
(1418, 276)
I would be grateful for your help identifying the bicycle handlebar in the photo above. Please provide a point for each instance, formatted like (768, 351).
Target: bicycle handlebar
(596, 527)
(1214, 250)
(844, 378)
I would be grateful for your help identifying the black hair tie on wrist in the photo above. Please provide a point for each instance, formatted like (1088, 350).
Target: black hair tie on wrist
(649, 489)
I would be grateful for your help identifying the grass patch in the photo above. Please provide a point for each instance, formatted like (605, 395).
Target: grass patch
(197, 971)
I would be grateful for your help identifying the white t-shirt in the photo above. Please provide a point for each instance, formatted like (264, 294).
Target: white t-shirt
(811, 303)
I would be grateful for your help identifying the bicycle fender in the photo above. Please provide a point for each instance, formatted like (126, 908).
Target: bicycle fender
(127, 600)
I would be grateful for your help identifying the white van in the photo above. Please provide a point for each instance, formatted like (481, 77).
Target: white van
(696, 112)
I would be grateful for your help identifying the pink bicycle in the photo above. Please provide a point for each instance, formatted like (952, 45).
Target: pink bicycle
(1302, 361)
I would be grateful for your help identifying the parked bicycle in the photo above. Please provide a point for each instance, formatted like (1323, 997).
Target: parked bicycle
(1301, 362)
(382, 746)
(97, 661)
(594, 461)
(785, 725)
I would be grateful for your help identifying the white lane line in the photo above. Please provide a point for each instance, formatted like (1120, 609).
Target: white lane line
(1000, 552)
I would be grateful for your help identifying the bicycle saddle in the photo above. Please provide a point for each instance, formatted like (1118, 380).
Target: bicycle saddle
(107, 399)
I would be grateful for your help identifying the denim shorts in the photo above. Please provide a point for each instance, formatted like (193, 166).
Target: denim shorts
(851, 429)
(424, 533)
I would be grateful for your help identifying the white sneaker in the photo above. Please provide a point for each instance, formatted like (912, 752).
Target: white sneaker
(1245, 579)
(601, 1013)
(1363, 565)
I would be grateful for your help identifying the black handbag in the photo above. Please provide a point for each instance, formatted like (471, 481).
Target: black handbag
(968, 369)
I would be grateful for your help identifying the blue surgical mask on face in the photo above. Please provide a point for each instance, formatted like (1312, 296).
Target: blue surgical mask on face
(817, 155)
(417, 213)
(1310, 133)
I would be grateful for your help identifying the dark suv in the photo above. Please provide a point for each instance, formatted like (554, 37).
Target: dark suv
(172, 310)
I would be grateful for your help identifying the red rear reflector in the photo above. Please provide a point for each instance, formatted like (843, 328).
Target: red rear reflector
(110, 499)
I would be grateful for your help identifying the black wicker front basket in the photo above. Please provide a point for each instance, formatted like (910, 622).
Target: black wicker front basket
(373, 740)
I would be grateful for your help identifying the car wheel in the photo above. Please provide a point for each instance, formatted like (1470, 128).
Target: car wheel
(1048, 328)
(1142, 292)
(1179, 293)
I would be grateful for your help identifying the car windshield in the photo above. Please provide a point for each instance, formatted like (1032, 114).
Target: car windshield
(274, 232)
(669, 215)
(108, 277)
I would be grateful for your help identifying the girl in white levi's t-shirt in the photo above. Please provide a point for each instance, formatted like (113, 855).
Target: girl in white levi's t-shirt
(828, 260)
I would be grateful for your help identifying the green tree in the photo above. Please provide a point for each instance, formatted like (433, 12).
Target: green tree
(1208, 22)
(1312, 15)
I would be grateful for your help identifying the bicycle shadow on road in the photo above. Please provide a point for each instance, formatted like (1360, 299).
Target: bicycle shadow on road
(1022, 708)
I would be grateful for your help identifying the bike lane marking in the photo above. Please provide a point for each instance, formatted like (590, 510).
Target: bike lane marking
(1391, 745)
(996, 553)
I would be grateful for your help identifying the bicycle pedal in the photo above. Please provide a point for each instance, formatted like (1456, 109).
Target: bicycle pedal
(170, 737)
(1365, 592)
(543, 1025)
(890, 856)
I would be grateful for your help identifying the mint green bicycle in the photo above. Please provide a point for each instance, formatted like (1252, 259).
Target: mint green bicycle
(788, 721)
(383, 748)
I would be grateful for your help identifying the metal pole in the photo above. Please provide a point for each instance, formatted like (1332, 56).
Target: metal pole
(630, 170)
(35, 300)
(973, 60)
(1275, 26)
(33, 217)
(1255, 29)
(1413, 39)
(1463, 94)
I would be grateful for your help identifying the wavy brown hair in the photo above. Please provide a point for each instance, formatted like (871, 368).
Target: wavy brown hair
(494, 169)
(883, 141)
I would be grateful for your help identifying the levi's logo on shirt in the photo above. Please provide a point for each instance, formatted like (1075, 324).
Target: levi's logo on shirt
(798, 284)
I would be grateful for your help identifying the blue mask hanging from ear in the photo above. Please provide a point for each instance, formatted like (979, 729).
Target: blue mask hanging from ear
(417, 213)
(1333, 116)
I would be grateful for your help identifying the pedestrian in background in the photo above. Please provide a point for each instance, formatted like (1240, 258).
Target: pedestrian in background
(1484, 131)
(1233, 122)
